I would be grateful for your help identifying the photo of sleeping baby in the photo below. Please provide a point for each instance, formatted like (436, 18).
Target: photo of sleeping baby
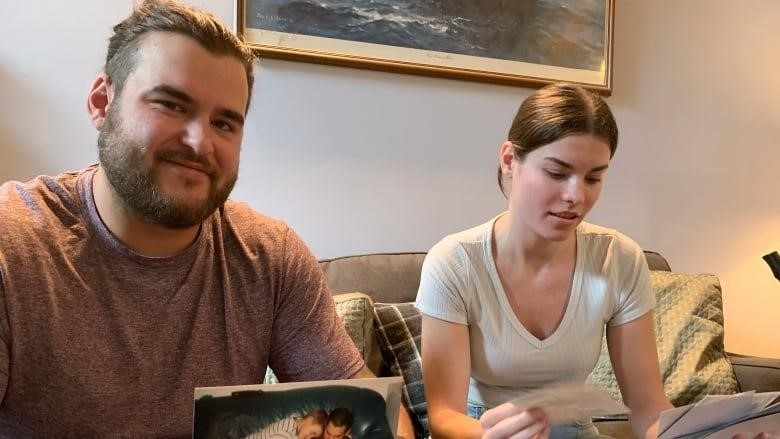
(315, 424)
(341, 409)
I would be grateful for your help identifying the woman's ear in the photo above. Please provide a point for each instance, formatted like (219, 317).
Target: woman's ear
(100, 96)
(506, 156)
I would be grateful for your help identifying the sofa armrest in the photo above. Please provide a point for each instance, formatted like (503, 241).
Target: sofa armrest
(756, 373)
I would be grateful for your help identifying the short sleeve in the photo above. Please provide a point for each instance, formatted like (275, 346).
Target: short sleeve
(632, 281)
(443, 282)
(309, 339)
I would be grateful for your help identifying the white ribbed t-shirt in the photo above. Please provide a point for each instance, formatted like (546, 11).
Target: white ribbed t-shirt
(460, 284)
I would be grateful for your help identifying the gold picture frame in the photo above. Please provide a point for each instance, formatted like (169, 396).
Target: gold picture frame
(527, 43)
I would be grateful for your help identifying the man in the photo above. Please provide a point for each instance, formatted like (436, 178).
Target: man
(339, 424)
(125, 285)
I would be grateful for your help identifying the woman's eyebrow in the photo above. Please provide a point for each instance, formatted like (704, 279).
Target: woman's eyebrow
(561, 163)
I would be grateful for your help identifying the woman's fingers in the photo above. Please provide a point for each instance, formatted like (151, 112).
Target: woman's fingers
(544, 433)
(498, 413)
(515, 423)
(519, 426)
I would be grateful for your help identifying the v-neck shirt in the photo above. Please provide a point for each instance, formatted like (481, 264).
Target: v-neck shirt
(460, 284)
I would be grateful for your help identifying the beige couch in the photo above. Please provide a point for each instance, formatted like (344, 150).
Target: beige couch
(690, 343)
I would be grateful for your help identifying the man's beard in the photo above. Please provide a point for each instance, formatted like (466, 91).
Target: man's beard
(122, 159)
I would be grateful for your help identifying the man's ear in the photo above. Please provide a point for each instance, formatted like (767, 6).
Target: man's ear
(100, 96)
(506, 155)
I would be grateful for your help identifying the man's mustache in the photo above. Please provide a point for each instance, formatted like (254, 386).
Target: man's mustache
(186, 154)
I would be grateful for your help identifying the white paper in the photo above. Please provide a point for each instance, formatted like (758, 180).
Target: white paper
(752, 427)
(715, 411)
(710, 412)
(669, 417)
(762, 400)
(567, 402)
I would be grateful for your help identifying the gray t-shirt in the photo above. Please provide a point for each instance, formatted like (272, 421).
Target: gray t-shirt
(96, 340)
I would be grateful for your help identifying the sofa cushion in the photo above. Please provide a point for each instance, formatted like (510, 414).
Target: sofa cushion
(356, 312)
(398, 327)
(756, 373)
(386, 277)
(689, 334)
(395, 277)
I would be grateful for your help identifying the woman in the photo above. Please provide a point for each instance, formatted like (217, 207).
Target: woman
(521, 302)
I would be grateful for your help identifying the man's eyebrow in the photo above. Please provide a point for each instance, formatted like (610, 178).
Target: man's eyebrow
(171, 92)
(180, 95)
(233, 115)
(568, 166)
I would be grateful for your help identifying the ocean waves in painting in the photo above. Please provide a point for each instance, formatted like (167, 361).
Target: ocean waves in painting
(563, 33)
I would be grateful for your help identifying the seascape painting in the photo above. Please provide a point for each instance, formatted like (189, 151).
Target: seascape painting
(530, 39)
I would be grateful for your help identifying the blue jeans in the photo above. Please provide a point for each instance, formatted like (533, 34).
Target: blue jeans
(575, 430)
(475, 410)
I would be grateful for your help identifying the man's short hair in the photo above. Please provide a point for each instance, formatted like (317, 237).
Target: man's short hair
(174, 17)
(341, 417)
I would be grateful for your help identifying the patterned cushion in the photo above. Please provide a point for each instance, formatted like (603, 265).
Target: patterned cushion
(355, 310)
(398, 327)
(689, 333)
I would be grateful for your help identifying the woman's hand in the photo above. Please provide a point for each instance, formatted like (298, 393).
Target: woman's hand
(511, 421)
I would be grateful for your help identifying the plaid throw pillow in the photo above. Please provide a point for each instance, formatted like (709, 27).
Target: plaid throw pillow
(398, 327)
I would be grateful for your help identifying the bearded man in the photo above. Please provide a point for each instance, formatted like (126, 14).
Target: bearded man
(125, 285)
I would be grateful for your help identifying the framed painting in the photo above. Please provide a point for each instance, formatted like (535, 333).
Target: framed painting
(518, 42)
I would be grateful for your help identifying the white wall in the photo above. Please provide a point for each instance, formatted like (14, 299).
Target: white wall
(360, 161)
